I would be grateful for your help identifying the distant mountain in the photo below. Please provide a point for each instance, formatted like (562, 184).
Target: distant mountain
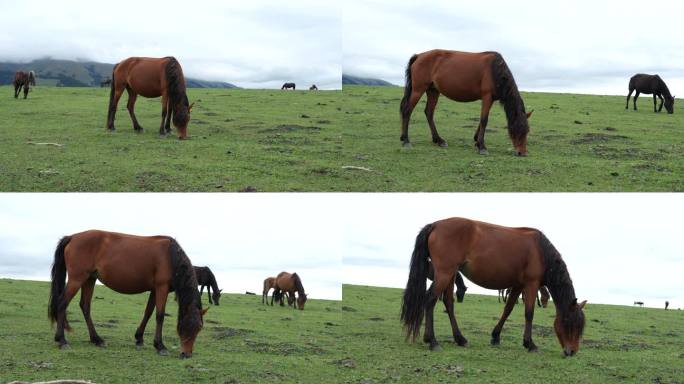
(68, 73)
(355, 80)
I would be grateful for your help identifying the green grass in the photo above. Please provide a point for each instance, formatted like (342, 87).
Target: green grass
(358, 340)
(242, 341)
(621, 344)
(576, 143)
(266, 139)
(304, 141)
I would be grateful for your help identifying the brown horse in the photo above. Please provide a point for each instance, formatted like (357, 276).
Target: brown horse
(494, 257)
(23, 80)
(269, 283)
(289, 283)
(152, 77)
(464, 77)
(127, 264)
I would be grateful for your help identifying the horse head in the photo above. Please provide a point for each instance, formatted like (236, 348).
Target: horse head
(188, 342)
(669, 104)
(181, 118)
(301, 300)
(216, 296)
(569, 325)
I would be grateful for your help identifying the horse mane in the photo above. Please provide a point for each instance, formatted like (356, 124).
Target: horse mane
(298, 283)
(557, 280)
(184, 283)
(663, 87)
(212, 280)
(507, 93)
(175, 83)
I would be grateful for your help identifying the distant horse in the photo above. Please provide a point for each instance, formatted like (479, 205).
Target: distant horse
(206, 278)
(667, 304)
(127, 264)
(639, 303)
(286, 282)
(105, 83)
(543, 292)
(460, 285)
(493, 257)
(270, 283)
(464, 77)
(288, 86)
(313, 88)
(152, 77)
(23, 80)
(650, 84)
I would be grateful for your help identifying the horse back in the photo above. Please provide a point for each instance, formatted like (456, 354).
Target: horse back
(145, 75)
(284, 281)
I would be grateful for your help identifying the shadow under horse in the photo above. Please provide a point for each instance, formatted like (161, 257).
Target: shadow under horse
(23, 80)
(206, 278)
(651, 84)
(494, 257)
(152, 77)
(127, 264)
(289, 283)
(464, 77)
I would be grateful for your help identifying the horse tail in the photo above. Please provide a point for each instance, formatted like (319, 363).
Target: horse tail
(58, 280)
(413, 305)
(184, 284)
(175, 83)
(408, 87)
(111, 96)
(508, 95)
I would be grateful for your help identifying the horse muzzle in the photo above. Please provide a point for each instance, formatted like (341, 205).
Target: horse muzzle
(184, 355)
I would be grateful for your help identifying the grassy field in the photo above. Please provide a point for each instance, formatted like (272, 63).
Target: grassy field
(272, 140)
(576, 143)
(358, 340)
(268, 140)
(242, 341)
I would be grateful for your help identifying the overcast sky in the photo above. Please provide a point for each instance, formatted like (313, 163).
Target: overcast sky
(582, 46)
(252, 44)
(619, 248)
(243, 238)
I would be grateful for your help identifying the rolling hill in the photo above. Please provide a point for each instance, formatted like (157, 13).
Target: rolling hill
(356, 80)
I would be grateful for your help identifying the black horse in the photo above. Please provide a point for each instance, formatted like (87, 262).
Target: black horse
(105, 83)
(288, 86)
(651, 84)
(460, 285)
(205, 278)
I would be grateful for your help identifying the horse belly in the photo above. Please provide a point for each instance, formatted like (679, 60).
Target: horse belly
(126, 283)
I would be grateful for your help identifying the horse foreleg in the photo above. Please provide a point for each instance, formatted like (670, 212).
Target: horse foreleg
(26, 91)
(209, 294)
(511, 300)
(132, 96)
(660, 108)
(86, 299)
(432, 98)
(69, 292)
(146, 317)
(160, 299)
(449, 305)
(166, 117)
(484, 118)
(530, 292)
(406, 108)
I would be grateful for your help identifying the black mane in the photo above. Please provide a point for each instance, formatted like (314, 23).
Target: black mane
(298, 284)
(178, 99)
(184, 283)
(507, 93)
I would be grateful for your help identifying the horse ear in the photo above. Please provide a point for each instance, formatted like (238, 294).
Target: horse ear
(529, 113)
(190, 107)
(220, 290)
(205, 310)
(582, 304)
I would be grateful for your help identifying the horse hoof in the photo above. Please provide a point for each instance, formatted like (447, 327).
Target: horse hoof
(462, 342)
(442, 144)
(64, 346)
(495, 342)
(163, 352)
(101, 344)
(436, 348)
(406, 144)
(533, 350)
(138, 346)
(483, 152)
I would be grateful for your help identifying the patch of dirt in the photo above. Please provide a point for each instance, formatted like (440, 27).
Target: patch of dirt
(248, 188)
(39, 364)
(224, 332)
(321, 171)
(290, 128)
(597, 137)
(348, 309)
(323, 121)
(376, 319)
(331, 324)
(347, 362)
(282, 349)
(543, 330)
(612, 153)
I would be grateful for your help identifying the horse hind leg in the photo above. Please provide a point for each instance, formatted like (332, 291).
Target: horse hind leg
(660, 108)
(165, 126)
(26, 91)
(437, 288)
(132, 96)
(511, 300)
(636, 95)
(628, 96)
(449, 305)
(407, 106)
(432, 98)
(70, 290)
(86, 299)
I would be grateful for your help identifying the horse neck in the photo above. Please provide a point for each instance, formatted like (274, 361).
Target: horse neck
(298, 285)
(212, 281)
(663, 89)
(556, 276)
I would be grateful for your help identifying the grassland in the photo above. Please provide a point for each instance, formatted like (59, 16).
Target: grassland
(576, 143)
(358, 340)
(263, 139)
(272, 140)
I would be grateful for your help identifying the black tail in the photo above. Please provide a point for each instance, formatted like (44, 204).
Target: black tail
(58, 280)
(408, 87)
(507, 93)
(413, 305)
(110, 112)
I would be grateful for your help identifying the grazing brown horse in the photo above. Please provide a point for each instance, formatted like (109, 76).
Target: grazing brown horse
(464, 77)
(494, 257)
(127, 264)
(650, 84)
(206, 278)
(23, 80)
(152, 77)
(269, 283)
(289, 283)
